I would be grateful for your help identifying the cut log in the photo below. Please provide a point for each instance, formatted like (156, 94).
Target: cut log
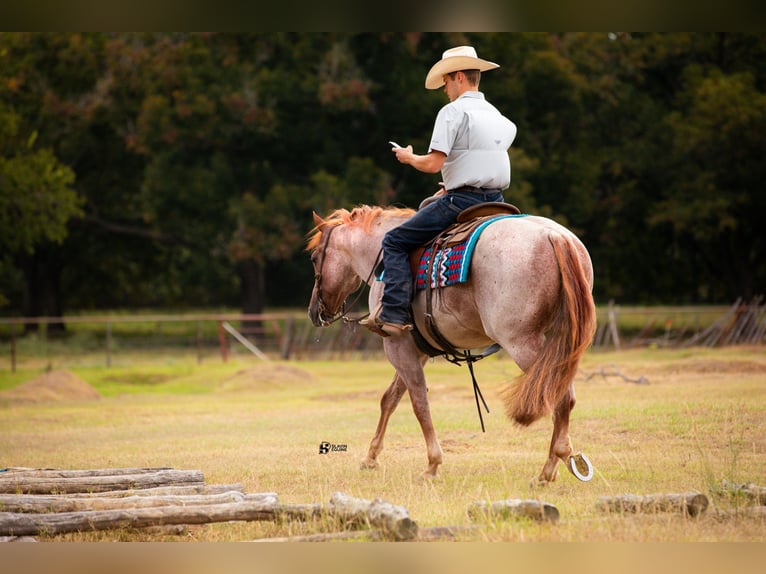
(299, 511)
(375, 535)
(166, 490)
(11, 484)
(394, 521)
(691, 503)
(18, 472)
(17, 539)
(749, 491)
(18, 524)
(38, 503)
(514, 507)
(743, 512)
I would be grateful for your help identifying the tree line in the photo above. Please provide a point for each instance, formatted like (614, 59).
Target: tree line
(180, 170)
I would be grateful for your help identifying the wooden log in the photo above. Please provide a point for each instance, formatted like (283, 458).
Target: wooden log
(299, 511)
(744, 512)
(691, 503)
(749, 491)
(374, 535)
(24, 472)
(514, 507)
(19, 524)
(17, 539)
(37, 503)
(165, 490)
(393, 520)
(53, 485)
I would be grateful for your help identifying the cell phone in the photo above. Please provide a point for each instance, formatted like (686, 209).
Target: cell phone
(394, 144)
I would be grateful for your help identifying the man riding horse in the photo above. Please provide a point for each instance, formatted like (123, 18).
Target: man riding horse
(469, 145)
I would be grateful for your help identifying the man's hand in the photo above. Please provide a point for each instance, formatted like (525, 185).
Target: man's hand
(403, 154)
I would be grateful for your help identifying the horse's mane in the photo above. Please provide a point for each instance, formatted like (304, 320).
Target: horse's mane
(361, 216)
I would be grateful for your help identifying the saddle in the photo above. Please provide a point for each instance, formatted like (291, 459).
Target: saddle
(467, 221)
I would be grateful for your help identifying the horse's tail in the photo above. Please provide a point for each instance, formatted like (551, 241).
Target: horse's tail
(538, 390)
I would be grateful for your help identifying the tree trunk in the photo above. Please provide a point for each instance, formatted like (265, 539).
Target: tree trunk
(42, 291)
(252, 290)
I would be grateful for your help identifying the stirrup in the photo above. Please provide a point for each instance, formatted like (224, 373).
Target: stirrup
(383, 328)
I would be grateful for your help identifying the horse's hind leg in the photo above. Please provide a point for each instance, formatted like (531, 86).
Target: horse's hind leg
(388, 403)
(561, 445)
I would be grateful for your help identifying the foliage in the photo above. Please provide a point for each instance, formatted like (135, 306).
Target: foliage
(199, 157)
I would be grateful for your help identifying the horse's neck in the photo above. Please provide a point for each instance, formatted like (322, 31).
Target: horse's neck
(365, 248)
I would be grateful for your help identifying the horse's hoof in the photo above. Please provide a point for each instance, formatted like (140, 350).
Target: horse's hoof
(580, 466)
(368, 465)
(542, 480)
(427, 475)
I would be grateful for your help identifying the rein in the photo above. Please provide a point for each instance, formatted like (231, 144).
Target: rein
(322, 307)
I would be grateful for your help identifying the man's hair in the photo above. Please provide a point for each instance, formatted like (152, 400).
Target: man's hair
(473, 76)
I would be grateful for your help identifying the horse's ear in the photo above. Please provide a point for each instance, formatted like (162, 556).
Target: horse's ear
(318, 221)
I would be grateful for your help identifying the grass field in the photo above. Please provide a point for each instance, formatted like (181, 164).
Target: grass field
(700, 419)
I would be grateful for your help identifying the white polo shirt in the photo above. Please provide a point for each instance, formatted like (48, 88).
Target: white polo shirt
(475, 136)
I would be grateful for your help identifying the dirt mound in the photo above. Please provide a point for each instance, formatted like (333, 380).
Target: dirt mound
(51, 387)
(267, 375)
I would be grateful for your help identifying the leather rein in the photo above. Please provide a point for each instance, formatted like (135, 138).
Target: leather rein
(322, 307)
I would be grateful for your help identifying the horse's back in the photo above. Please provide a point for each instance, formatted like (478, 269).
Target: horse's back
(514, 283)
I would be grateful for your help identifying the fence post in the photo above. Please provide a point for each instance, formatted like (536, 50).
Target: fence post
(287, 341)
(222, 341)
(613, 326)
(13, 347)
(108, 343)
(199, 342)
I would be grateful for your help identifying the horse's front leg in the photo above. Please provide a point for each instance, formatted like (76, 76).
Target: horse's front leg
(561, 445)
(388, 403)
(408, 362)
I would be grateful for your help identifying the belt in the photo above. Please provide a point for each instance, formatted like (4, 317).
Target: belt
(471, 189)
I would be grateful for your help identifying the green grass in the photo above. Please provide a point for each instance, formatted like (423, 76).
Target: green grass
(698, 421)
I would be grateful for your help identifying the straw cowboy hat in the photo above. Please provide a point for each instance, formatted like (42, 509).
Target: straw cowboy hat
(454, 60)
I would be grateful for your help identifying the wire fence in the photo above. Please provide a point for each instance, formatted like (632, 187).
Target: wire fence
(64, 341)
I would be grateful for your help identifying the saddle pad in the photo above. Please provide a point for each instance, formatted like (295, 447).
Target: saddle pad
(451, 263)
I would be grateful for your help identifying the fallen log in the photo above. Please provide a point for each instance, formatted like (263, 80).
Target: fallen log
(691, 503)
(743, 512)
(394, 521)
(17, 539)
(11, 484)
(514, 507)
(374, 535)
(25, 472)
(299, 511)
(19, 524)
(164, 490)
(39, 503)
(749, 491)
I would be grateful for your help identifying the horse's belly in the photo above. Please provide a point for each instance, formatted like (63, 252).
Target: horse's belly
(455, 317)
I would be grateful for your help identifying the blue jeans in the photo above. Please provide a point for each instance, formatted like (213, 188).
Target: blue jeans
(426, 224)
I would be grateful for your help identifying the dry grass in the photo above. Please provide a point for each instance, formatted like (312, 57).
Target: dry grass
(700, 419)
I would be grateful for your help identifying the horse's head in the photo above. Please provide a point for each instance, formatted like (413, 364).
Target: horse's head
(334, 277)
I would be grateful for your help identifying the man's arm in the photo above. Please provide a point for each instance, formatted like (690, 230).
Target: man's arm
(431, 162)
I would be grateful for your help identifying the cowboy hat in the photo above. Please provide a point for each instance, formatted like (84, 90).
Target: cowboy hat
(454, 60)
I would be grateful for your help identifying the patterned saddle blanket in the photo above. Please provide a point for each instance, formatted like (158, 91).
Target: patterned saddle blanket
(452, 258)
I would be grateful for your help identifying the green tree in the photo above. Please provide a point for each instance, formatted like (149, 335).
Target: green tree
(37, 201)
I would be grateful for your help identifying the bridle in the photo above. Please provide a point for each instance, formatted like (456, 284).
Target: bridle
(322, 309)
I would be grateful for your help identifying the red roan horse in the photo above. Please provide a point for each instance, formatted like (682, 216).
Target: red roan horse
(529, 290)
